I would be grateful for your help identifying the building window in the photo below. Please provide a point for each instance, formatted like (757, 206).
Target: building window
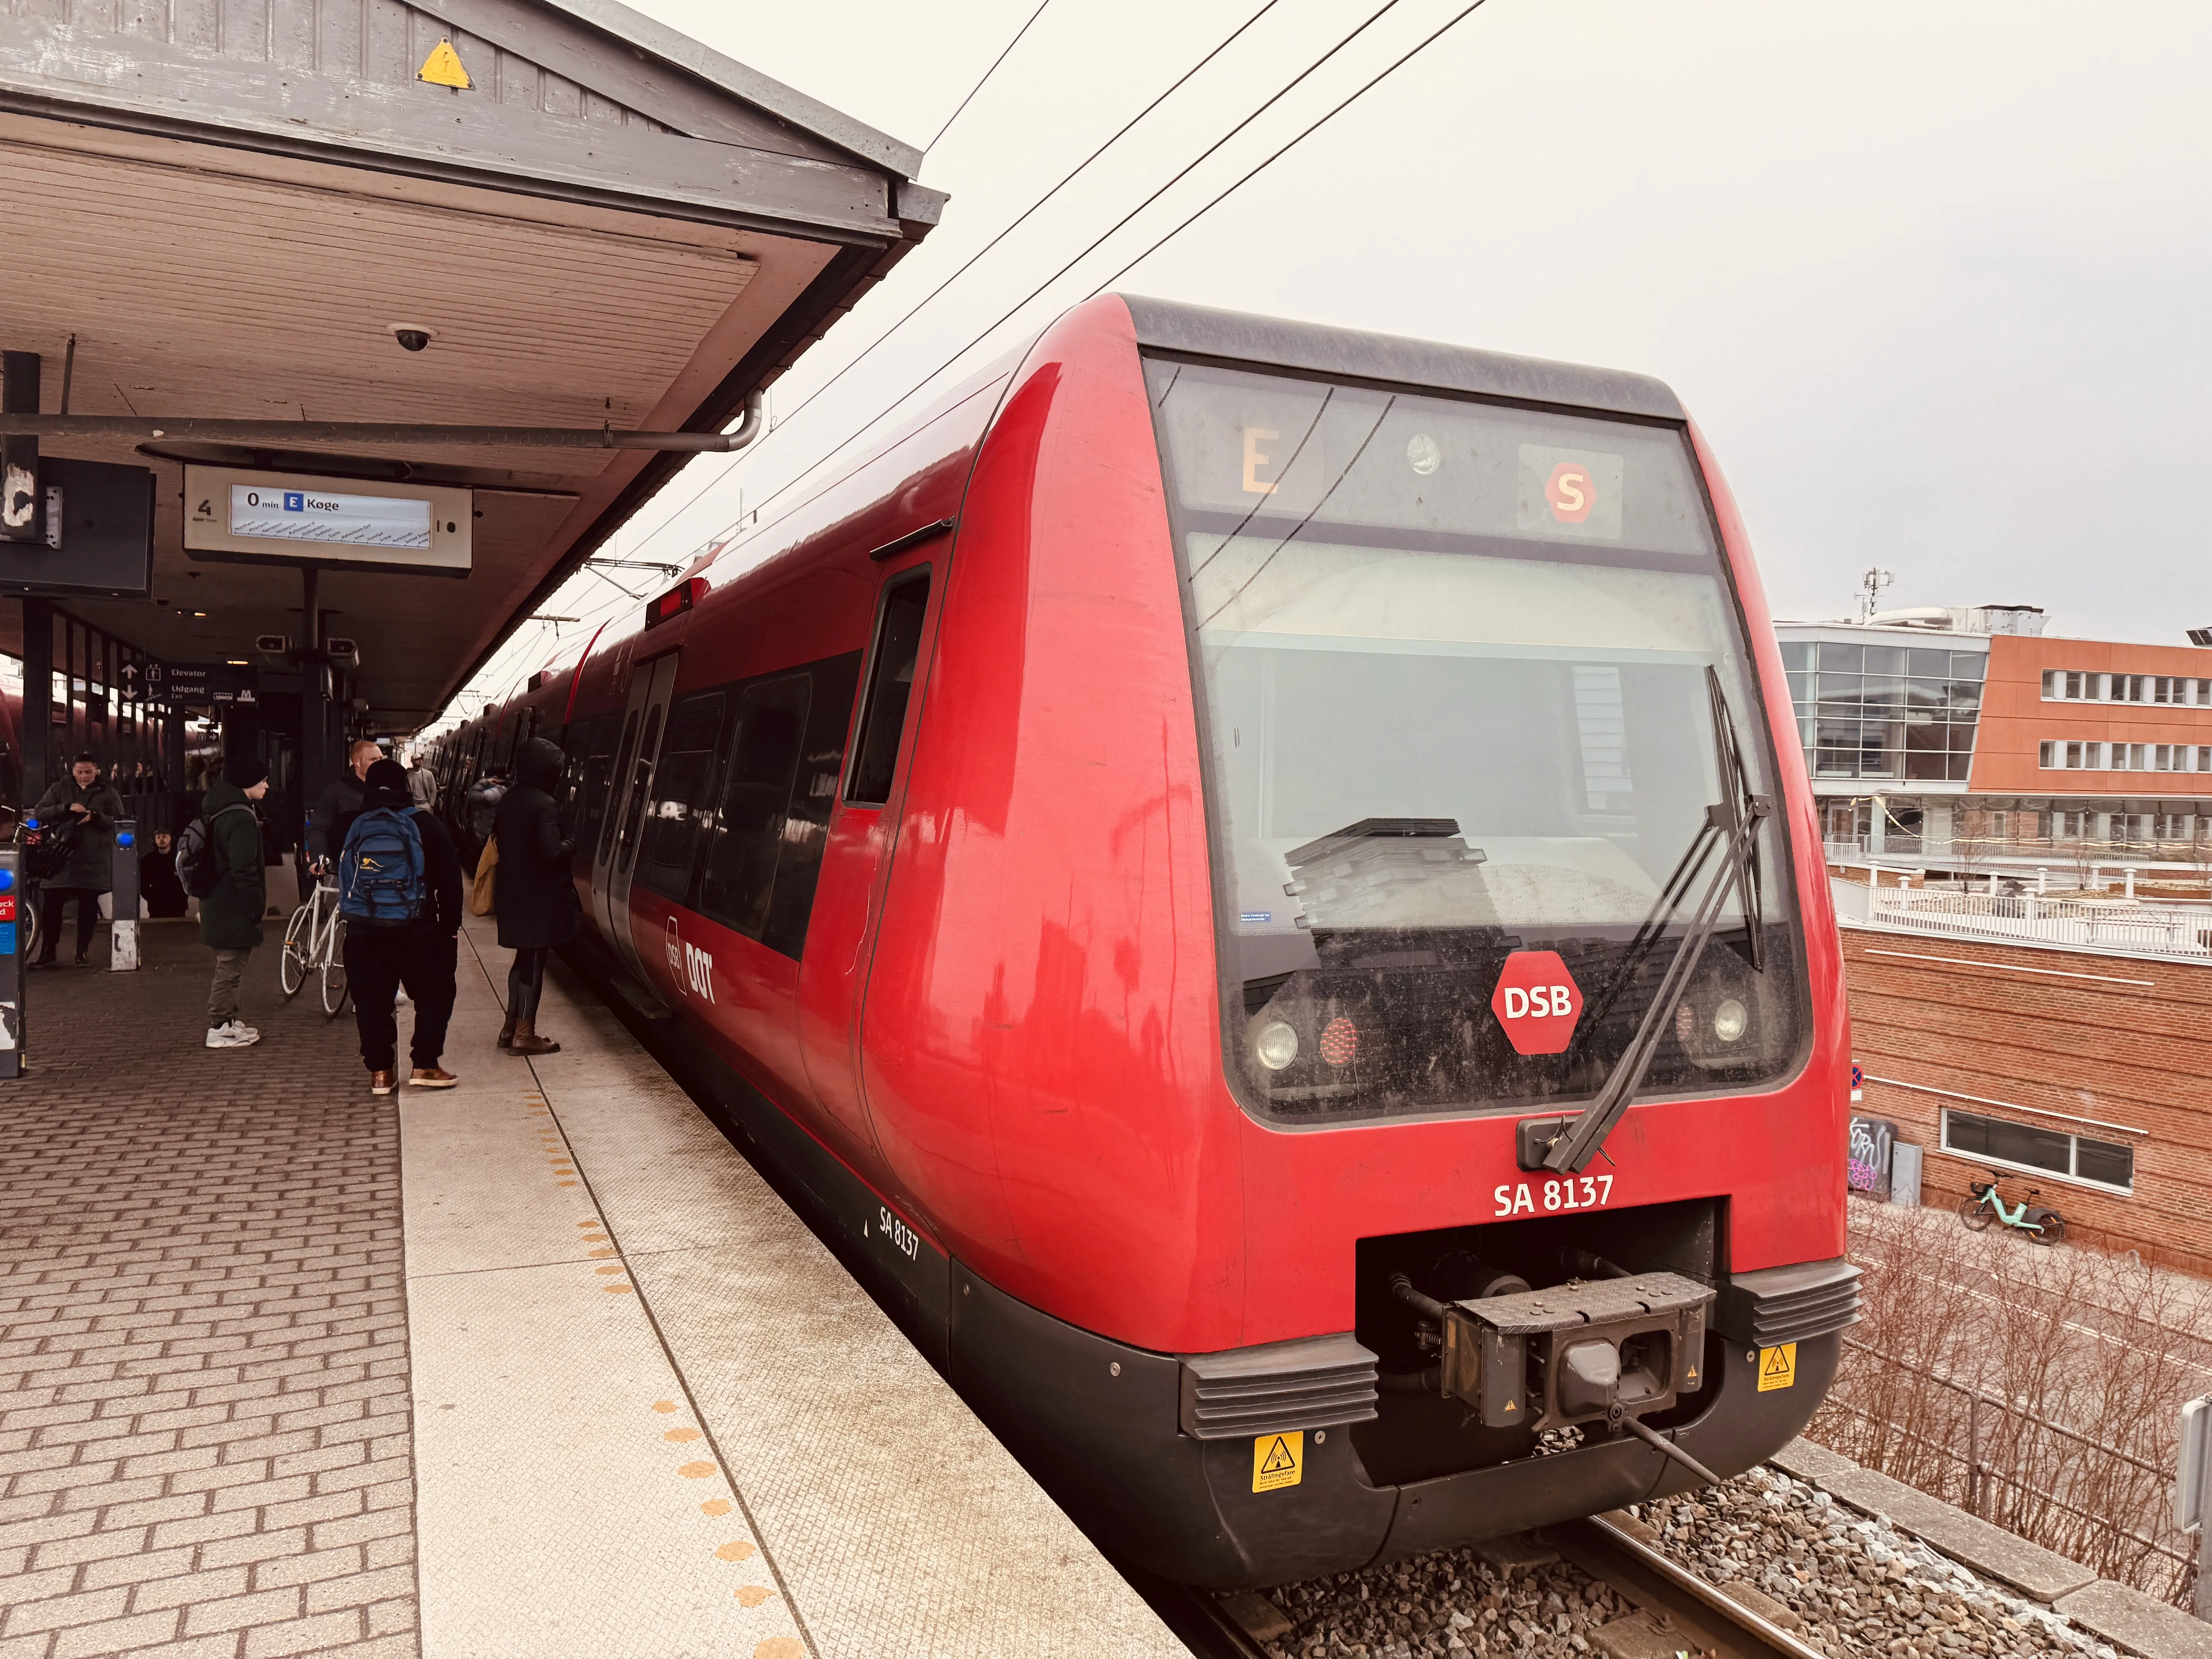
(2034, 1149)
(1886, 711)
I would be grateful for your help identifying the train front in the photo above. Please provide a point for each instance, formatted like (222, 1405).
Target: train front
(1528, 995)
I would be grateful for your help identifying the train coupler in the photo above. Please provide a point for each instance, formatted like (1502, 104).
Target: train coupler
(1598, 1349)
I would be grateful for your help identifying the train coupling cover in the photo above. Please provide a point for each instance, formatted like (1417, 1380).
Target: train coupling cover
(1601, 1349)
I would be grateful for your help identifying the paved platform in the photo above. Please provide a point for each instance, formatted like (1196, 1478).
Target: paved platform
(539, 1366)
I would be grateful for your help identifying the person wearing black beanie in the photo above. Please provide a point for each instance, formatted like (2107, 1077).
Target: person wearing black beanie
(230, 915)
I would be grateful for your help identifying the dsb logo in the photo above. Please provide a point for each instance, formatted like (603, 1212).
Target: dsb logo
(1537, 1002)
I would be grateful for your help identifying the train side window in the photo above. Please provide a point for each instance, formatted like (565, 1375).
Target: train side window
(609, 811)
(813, 791)
(681, 780)
(596, 766)
(891, 684)
(633, 817)
(756, 801)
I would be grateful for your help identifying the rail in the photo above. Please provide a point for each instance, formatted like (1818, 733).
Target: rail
(2150, 930)
(1605, 1547)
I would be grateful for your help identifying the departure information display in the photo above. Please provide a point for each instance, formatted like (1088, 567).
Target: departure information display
(318, 515)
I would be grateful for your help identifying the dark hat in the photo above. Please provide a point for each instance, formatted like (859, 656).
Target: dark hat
(385, 775)
(245, 770)
(85, 756)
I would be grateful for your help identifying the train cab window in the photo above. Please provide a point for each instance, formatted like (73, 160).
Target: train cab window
(681, 782)
(1471, 677)
(891, 683)
(741, 871)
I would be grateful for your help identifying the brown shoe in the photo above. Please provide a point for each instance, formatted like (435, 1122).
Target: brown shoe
(383, 1083)
(506, 1033)
(431, 1077)
(527, 1041)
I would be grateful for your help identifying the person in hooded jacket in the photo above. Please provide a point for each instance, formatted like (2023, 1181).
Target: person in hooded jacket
(89, 801)
(535, 894)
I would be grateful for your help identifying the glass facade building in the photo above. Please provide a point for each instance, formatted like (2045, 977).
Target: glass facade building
(1886, 713)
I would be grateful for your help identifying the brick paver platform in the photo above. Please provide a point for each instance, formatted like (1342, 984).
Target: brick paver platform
(204, 1439)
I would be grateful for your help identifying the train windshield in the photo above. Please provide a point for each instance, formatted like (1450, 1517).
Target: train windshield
(1465, 669)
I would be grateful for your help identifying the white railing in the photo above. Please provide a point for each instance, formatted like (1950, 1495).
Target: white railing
(2153, 930)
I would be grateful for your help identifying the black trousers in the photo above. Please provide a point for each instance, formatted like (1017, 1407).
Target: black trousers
(377, 964)
(526, 983)
(88, 918)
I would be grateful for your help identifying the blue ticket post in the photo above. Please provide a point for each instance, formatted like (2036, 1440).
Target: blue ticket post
(11, 963)
(123, 877)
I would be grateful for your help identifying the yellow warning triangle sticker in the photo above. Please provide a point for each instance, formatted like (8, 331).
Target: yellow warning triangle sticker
(1279, 1460)
(1511, 1406)
(443, 68)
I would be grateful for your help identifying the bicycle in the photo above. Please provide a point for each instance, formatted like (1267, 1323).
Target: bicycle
(2042, 1225)
(315, 939)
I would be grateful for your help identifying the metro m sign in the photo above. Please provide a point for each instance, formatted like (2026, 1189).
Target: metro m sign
(1537, 1002)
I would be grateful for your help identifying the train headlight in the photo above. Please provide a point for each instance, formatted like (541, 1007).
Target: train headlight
(1276, 1045)
(1731, 1020)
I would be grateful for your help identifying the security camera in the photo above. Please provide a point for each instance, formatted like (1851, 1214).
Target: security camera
(412, 337)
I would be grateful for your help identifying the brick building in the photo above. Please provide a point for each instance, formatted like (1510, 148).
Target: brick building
(1970, 739)
(2086, 1074)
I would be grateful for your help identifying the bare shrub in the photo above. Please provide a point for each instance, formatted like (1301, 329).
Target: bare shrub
(2041, 1389)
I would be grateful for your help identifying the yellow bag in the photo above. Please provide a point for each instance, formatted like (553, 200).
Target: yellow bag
(480, 890)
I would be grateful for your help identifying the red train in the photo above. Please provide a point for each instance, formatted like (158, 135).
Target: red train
(1262, 876)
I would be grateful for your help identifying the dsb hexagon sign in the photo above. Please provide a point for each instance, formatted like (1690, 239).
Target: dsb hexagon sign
(1537, 1001)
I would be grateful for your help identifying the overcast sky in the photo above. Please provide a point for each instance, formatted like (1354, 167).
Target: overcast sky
(1932, 277)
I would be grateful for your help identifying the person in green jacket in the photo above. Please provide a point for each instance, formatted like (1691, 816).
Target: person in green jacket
(230, 916)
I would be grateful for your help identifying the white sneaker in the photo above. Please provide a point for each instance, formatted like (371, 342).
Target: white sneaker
(235, 1034)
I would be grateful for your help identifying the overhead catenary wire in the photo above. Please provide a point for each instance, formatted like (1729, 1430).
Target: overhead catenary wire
(1013, 225)
(1330, 114)
(1091, 247)
(988, 74)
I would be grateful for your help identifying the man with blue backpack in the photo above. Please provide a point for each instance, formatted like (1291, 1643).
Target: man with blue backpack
(399, 890)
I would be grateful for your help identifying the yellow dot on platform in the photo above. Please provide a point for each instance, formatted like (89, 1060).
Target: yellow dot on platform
(564, 1183)
(596, 1255)
(611, 1267)
(663, 1405)
(752, 1595)
(696, 1471)
(587, 1224)
(617, 1289)
(716, 1506)
(736, 1550)
(680, 1436)
(779, 1647)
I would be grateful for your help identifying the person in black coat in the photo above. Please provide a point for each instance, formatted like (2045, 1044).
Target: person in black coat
(420, 954)
(534, 893)
(161, 891)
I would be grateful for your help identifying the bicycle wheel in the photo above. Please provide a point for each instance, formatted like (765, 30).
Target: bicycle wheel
(334, 973)
(1975, 1214)
(30, 911)
(292, 965)
(2050, 1225)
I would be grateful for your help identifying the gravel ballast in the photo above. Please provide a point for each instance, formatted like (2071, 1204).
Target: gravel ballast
(1862, 1588)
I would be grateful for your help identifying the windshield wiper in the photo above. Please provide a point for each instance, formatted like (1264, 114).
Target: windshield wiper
(1731, 827)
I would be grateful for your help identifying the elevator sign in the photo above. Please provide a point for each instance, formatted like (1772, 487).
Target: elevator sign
(254, 517)
(1537, 1002)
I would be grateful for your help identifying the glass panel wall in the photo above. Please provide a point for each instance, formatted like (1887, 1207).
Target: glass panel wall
(1885, 712)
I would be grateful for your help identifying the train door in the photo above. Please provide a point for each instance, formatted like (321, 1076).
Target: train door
(835, 965)
(646, 708)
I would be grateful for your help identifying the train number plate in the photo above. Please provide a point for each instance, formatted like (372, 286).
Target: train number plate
(1560, 1193)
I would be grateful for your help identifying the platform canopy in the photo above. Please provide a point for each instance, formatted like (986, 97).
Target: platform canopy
(233, 208)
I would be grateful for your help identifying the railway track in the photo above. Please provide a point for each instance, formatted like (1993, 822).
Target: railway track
(1678, 1612)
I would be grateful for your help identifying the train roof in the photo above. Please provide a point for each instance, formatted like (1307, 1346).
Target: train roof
(1240, 337)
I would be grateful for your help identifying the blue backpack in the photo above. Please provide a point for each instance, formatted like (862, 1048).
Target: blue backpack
(380, 879)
